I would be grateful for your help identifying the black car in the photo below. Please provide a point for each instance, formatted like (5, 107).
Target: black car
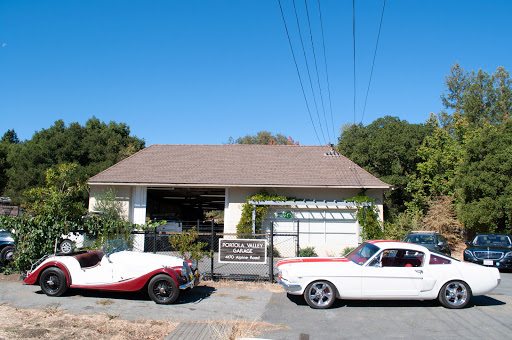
(490, 250)
(7, 247)
(430, 239)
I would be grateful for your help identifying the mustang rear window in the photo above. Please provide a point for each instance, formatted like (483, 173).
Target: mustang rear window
(362, 253)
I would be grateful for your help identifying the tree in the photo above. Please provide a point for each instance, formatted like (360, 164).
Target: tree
(387, 148)
(264, 138)
(8, 139)
(93, 147)
(485, 186)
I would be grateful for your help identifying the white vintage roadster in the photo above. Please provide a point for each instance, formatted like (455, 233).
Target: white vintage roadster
(115, 268)
(386, 270)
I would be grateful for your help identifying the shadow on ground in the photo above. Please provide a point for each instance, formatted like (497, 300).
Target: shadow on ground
(482, 300)
(193, 295)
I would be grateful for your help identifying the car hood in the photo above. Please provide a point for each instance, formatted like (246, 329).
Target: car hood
(134, 258)
(6, 236)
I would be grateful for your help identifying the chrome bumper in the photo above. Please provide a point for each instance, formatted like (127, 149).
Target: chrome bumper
(194, 281)
(290, 288)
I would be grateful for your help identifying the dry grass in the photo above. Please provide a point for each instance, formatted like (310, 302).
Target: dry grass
(52, 323)
(231, 330)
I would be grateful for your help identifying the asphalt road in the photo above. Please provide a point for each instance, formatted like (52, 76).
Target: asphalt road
(488, 316)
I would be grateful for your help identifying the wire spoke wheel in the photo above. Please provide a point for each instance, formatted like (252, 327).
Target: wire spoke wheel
(162, 289)
(320, 294)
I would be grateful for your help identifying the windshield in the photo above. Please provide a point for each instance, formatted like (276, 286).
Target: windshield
(114, 246)
(362, 253)
(492, 240)
(420, 239)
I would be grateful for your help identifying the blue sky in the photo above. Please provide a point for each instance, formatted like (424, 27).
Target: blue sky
(198, 72)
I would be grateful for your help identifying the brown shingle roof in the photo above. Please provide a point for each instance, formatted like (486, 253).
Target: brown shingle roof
(238, 165)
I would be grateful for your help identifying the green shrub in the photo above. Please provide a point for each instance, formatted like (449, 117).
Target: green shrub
(347, 250)
(187, 246)
(307, 252)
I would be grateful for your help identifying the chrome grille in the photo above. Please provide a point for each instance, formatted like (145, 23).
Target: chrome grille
(488, 255)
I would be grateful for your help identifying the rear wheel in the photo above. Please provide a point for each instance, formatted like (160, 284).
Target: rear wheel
(455, 294)
(53, 282)
(320, 294)
(162, 289)
(6, 254)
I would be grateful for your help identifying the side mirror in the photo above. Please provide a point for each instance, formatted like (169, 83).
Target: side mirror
(440, 244)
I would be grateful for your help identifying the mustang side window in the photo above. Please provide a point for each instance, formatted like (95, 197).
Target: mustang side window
(399, 258)
(434, 259)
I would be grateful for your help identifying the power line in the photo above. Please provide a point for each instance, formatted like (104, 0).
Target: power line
(316, 69)
(326, 73)
(354, 40)
(373, 63)
(298, 73)
(307, 69)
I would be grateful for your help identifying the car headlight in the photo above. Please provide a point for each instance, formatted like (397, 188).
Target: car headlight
(469, 253)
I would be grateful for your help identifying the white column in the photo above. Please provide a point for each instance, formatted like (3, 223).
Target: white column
(139, 198)
(138, 214)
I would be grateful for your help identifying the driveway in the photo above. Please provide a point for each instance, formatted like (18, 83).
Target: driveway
(488, 317)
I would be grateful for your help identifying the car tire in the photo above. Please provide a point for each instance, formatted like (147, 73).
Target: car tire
(53, 282)
(320, 294)
(163, 289)
(6, 254)
(455, 294)
(66, 247)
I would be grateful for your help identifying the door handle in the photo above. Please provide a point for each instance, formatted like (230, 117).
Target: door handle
(419, 271)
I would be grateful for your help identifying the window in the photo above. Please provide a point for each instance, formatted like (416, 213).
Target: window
(399, 258)
(434, 259)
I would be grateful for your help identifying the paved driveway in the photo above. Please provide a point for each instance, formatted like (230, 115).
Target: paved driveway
(489, 317)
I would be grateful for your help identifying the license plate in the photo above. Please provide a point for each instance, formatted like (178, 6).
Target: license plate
(488, 263)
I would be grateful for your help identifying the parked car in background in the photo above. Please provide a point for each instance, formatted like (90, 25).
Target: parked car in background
(115, 268)
(386, 270)
(430, 239)
(490, 250)
(7, 247)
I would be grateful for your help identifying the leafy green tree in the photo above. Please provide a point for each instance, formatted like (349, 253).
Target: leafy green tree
(106, 202)
(485, 187)
(188, 247)
(9, 139)
(94, 147)
(387, 148)
(264, 138)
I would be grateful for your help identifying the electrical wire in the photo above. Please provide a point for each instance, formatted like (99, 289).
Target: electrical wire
(354, 40)
(316, 70)
(326, 72)
(307, 69)
(373, 63)
(298, 72)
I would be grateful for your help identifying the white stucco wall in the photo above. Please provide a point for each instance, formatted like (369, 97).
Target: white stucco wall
(123, 194)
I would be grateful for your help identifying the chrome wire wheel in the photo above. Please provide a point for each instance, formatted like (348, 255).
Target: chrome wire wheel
(162, 289)
(320, 294)
(455, 294)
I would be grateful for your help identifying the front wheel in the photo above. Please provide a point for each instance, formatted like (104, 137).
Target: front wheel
(320, 294)
(455, 294)
(53, 282)
(163, 290)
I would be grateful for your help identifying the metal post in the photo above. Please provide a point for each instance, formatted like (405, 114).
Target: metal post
(271, 262)
(212, 249)
(298, 245)
(254, 219)
(154, 242)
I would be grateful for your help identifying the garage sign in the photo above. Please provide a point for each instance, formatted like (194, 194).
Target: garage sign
(242, 251)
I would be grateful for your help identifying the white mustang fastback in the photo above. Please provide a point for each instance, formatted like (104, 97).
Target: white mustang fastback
(386, 270)
(115, 268)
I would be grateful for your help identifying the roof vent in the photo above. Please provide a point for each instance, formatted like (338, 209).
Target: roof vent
(332, 153)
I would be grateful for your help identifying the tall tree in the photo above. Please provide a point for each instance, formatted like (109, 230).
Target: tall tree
(94, 147)
(387, 148)
(264, 138)
(8, 139)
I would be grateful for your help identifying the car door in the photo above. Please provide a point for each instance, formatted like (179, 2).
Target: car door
(393, 273)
